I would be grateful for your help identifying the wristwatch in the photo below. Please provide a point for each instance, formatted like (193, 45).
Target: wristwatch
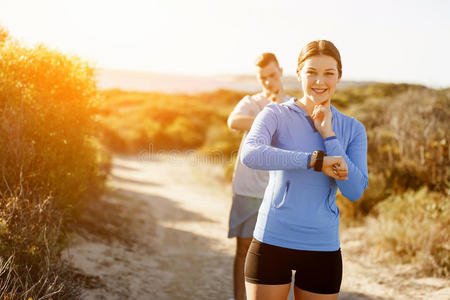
(318, 155)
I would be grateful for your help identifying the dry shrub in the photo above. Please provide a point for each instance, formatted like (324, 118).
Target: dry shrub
(408, 144)
(31, 239)
(413, 228)
(354, 212)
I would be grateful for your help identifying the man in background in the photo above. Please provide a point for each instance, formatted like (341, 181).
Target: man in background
(249, 184)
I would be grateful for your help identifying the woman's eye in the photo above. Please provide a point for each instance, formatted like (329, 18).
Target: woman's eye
(329, 74)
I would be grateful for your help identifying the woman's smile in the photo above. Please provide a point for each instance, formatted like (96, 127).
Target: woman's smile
(319, 91)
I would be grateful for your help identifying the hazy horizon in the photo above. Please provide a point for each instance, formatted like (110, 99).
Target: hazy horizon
(384, 41)
(181, 83)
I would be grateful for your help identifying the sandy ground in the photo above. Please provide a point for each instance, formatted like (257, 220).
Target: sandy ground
(178, 208)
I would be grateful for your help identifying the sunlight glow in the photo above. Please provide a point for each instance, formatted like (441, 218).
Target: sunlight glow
(395, 41)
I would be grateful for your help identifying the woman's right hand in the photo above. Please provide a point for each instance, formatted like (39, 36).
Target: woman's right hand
(336, 167)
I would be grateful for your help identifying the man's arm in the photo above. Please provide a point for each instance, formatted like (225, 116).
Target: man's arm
(240, 122)
(243, 115)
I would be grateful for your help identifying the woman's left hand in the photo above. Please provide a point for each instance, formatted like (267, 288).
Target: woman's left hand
(322, 117)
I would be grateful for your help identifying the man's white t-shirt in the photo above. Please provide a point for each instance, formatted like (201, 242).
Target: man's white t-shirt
(246, 181)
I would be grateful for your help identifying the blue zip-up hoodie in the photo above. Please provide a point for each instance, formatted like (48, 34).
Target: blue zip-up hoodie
(299, 209)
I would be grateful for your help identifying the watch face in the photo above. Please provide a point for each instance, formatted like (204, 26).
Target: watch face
(314, 155)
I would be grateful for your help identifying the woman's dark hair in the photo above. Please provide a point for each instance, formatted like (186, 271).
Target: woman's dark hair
(320, 47)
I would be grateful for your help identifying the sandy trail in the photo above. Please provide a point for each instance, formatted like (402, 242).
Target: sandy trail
(178, 206)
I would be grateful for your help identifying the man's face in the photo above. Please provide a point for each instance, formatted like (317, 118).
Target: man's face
(270, 78)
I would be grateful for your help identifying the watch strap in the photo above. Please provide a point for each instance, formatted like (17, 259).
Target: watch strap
(319, 160)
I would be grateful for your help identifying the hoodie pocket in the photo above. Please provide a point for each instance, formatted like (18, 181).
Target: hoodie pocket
(283, 200)
(332, 207)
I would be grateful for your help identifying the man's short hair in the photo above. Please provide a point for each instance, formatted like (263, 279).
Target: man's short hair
(265, 58)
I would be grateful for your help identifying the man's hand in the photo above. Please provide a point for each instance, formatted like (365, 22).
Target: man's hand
(277, 96)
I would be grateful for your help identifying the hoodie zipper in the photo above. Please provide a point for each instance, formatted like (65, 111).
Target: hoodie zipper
(284, 196)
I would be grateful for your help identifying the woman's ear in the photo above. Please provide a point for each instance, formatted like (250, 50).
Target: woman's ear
(298, 74)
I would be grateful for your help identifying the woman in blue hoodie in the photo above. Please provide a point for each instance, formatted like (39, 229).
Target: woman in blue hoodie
(311, 150)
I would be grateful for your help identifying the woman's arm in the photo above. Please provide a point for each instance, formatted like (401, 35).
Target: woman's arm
(356, 159)
(257, 152)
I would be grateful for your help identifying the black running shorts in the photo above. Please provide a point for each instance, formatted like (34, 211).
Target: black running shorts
(316, 271)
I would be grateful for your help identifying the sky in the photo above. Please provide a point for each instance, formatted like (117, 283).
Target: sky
(388, 41)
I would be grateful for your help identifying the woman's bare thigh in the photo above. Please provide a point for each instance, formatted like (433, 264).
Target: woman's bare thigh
(267, 291)
(305, 295)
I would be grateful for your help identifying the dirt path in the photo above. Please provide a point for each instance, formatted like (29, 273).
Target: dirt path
(178, 210)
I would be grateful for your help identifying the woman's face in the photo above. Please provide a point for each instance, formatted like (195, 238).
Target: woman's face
(319, 77)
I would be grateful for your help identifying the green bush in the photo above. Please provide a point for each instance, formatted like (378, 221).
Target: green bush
(136, 121)
(50, 164)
